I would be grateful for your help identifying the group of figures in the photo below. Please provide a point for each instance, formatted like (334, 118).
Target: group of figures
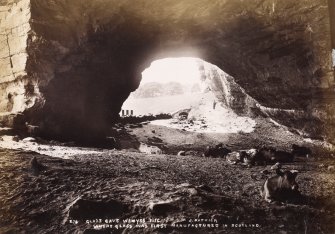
(282, 186)
(257, 156)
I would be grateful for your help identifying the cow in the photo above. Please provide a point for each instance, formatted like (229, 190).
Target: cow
(263, 156)
(248, 156)
(235, 157)
(241, 156)
(267, 155)
(217, 151)
(283, 156)
(301, 151)
(144, 148)
(281, 187)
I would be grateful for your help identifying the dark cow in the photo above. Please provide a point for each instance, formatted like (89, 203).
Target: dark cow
(249, 156)
(264, 155)
(217, 151)
(270, 155)
(281, 187)
(283, 156)
(301, 151)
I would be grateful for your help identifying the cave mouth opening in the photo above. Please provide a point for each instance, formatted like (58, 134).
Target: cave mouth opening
(184, 93)
(167, 85)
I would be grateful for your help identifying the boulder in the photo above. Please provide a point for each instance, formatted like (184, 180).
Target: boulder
(162, 207)
(181, 153)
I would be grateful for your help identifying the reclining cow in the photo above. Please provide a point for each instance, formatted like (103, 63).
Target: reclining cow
(218, 151)
(266, 155)
(144, 148)
(242, 156)
(281, 187)
(236, 157)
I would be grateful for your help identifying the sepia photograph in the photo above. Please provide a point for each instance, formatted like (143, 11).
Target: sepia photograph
(167, 116)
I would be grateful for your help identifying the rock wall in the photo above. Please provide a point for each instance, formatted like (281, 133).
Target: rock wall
(73, 62)
(331, 5)
(16, 86)
(310, 123)
(228, 93)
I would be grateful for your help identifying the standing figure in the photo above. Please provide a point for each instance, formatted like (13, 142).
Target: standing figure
(214, 104)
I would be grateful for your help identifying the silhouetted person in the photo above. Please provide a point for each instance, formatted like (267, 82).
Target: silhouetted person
(214, 104)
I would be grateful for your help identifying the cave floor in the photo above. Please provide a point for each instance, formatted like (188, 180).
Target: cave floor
(172, 140)
(175, 189)
(191, 187)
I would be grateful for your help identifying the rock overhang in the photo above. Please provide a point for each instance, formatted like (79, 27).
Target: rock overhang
(83, 58)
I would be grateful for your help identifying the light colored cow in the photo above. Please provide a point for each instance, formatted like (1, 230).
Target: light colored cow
(148, 149)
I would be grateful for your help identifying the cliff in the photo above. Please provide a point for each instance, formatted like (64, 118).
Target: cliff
(68, 65)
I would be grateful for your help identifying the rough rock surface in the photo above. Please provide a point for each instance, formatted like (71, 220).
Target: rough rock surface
(65, 64)
(125, 186)
(16, 86)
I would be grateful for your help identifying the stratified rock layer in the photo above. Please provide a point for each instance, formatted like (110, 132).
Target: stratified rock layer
(16, 87)
(69, 65)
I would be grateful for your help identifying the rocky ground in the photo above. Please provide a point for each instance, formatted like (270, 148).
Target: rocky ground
(163, 186)
(62, 194)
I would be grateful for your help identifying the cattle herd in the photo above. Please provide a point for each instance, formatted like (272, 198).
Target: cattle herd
(260, 156)
(282, 186)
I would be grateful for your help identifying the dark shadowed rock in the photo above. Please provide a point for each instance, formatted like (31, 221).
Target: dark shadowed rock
(206, 188)
(203, 215)
(87, 209)
(16, 138)
(36, 166)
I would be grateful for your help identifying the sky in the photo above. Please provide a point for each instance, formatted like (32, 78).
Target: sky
(182, 70)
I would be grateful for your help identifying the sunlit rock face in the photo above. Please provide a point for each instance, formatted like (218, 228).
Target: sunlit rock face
(17, 88)
(71, 64)
(230, 95)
